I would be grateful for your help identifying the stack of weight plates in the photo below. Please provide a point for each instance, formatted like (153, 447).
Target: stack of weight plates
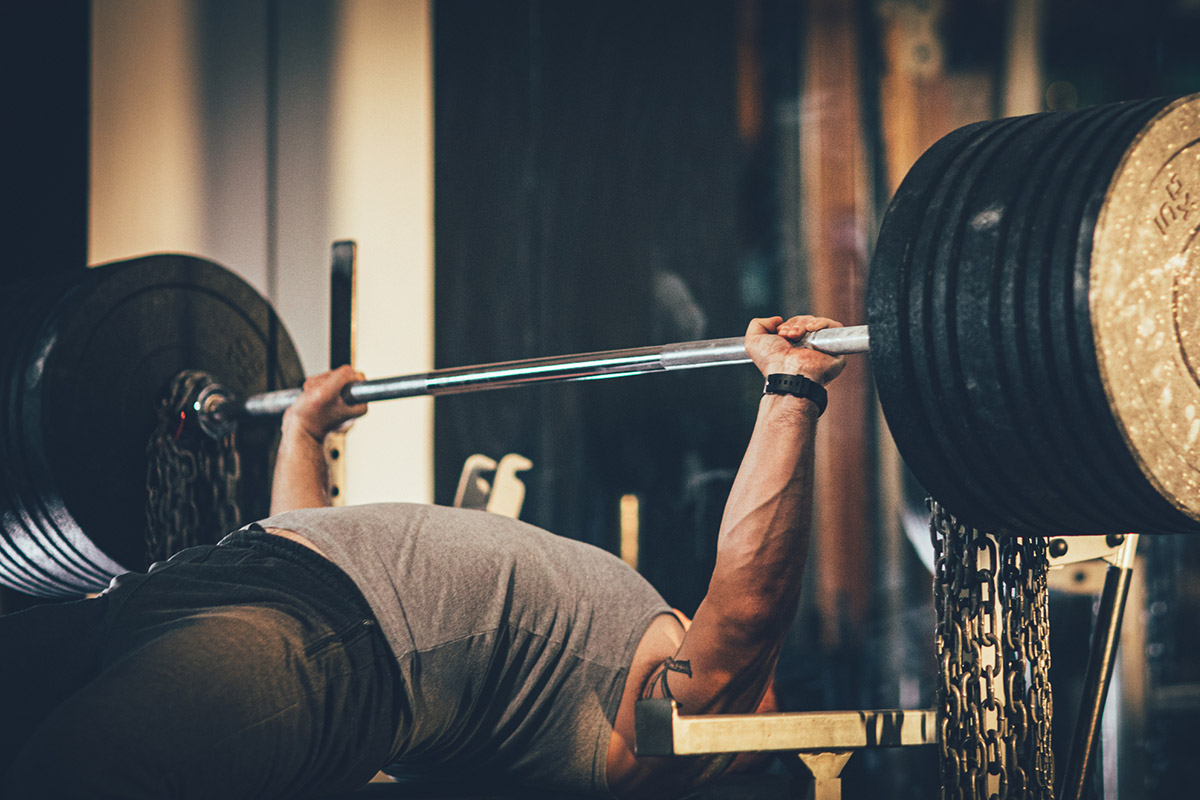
(84, 360)
(1033, 321)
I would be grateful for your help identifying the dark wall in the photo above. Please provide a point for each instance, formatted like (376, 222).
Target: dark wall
(45, 51)
(601, 182)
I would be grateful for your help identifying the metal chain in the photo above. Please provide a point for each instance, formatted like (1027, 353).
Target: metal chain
(993, 653)
(191, 478)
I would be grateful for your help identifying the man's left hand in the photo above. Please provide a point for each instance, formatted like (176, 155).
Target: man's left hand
(770, 344)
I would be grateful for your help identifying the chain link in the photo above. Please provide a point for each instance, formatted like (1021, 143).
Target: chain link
(191, 478)
(993, 628)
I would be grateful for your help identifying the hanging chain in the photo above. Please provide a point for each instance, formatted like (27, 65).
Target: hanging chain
(191, 478)
(993, 628)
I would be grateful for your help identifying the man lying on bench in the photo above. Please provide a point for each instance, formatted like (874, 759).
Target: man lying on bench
(306, 651)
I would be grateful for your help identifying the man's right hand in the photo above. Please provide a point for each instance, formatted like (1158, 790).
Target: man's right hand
(770, 345)
(321, 409)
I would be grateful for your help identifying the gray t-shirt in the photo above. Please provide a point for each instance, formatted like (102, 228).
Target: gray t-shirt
(514, 644)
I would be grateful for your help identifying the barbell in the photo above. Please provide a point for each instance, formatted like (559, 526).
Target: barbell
(1032, 338)
(217, 410)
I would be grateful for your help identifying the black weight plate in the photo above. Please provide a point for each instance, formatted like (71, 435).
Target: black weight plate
(897, 308)
(1071, 501)
(1030, 386)
(107, 354)
(926, 316)
(33, 556)
(1104, 462)
(1149, 511)
(908, 314)
(1143, 291)
(973, 412)
(1018, 480)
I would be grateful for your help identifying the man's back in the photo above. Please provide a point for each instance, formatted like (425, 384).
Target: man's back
(513, 644)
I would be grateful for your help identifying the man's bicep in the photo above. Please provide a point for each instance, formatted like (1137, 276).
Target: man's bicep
(712, 672)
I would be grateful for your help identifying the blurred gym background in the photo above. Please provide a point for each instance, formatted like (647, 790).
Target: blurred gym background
(530, 177)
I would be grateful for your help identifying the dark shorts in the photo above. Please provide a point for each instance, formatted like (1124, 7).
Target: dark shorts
(252, 668)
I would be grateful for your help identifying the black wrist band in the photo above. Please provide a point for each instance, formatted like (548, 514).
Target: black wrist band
(798, 386)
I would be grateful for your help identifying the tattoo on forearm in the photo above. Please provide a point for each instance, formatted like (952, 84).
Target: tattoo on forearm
(659, 678)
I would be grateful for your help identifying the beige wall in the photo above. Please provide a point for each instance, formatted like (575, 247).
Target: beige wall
(145, 176)
(382, 196)
(186, 158)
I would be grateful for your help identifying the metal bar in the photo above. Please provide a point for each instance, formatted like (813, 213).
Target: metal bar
(343, 308)
(1105, 636)
(661, 731)
(341, 304)
(586, 366)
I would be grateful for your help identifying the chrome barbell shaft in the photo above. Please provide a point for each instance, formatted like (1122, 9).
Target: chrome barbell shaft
(217, 408)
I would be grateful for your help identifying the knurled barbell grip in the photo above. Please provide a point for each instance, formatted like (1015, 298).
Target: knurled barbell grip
(502, 375)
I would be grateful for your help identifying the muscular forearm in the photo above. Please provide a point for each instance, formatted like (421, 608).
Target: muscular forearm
(764, 536)
(301, 478)
(729, 652)
(761, 552)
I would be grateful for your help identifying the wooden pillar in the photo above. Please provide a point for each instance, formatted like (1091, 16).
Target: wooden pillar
(914, 94)
(835, 211)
